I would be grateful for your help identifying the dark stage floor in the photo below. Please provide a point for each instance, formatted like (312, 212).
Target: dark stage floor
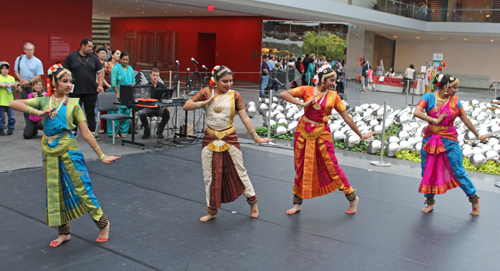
(154, 201)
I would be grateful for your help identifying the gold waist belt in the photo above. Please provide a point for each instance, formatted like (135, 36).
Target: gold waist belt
(312, 122)
(436, 128)
(220, 134)
(50, 138)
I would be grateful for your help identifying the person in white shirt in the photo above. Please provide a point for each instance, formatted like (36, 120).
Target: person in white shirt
(408, 77)
(390, 73)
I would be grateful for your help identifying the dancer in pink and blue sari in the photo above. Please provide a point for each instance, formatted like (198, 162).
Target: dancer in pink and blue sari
(442, 166)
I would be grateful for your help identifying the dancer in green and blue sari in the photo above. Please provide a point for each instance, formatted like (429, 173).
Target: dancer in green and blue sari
(121, 74)
(69, 189)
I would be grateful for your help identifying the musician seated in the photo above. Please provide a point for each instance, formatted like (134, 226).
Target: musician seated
(148, 112)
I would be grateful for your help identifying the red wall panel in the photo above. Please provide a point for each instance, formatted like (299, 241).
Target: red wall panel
(33, 21)
(236, 39)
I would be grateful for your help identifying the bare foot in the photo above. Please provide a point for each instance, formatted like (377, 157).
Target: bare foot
(294, 210)
(353, 206)
(428, 209)
(255, 210)
(60, 240)
(475, 208)
(103, 234)
(207, 218)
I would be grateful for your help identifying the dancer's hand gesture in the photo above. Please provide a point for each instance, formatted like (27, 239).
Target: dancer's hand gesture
(441, 117)
(46, 113)
(308, 103)
(110, 159)
(368, 135)
(209, 101)
(265, 140)
(484, 137)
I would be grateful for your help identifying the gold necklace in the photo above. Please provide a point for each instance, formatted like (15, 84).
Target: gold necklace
(441, 99)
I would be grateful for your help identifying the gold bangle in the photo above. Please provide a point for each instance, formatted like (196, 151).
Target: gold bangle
(96, 148)
(198, 104)
(256, 138)
(251, 131)
(101, 157)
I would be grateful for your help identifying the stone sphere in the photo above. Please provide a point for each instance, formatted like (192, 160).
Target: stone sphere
(391, 149)
(467, 152)
(251, 111)
(282, 121)
(404, 145)
(417, 147)
(495, 130)
(272, 122)
(374, 146)
(491, 155)
(477, 150)
(280, 130)
(403, 135)
(377, 128)
(291, 126)
(338, 136)
(352, 140)
(392, 139)
(477, 159)
(263, 108)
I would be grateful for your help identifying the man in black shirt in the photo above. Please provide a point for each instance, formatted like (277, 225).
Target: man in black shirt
(85, 67)
(148, 112)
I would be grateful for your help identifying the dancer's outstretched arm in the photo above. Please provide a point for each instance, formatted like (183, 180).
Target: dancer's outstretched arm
(248, 124)
(21, 105)
(471, 128)
(89, 137)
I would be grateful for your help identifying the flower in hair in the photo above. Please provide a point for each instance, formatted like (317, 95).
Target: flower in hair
(443, 64)
(440, 68)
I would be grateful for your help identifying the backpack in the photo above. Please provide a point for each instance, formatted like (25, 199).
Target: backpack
(19, 64)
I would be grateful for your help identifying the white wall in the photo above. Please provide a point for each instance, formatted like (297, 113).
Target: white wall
(475, 64)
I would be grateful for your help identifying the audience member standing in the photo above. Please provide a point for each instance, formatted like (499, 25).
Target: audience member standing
(7, 86)
(27, 69)
(108, 66)
(108, 52)
(364, 82)
(121, 74)
(85, 67)
(409, 73)
(264, 75)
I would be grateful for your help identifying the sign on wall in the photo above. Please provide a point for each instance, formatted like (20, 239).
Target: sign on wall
(437, 57)
(59, 47)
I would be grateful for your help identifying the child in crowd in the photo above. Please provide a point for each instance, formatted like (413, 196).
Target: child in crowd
(370, 78)
(34, 123)
(7, 87)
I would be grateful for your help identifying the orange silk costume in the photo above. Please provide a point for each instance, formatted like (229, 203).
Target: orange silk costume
(317, 170)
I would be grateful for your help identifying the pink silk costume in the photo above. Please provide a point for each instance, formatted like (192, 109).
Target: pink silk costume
(438, 176)
(317, 170)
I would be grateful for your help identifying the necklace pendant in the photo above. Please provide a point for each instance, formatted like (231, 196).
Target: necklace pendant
(317, 106)
(312, 124)
(218, 109)
(50, 141)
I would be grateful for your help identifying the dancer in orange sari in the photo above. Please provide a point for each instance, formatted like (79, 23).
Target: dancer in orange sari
(442, 165)
(317, 170)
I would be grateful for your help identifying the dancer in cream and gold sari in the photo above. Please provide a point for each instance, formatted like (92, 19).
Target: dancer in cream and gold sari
(225, 176)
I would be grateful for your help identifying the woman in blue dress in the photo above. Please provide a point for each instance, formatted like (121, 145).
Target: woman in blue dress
(69, 189)
(121, 74)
